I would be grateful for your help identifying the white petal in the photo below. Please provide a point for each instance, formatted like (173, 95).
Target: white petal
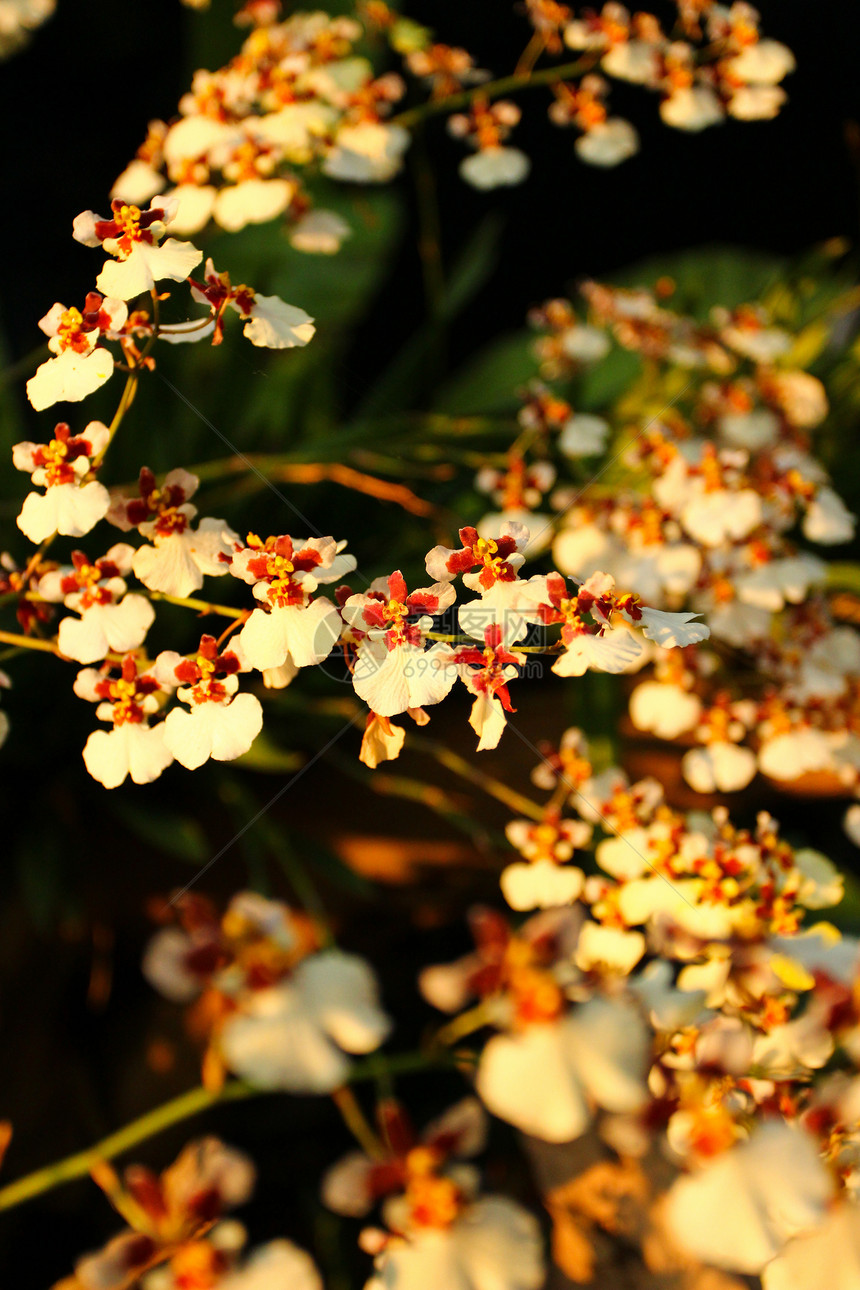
(70, 377)
(254, 201)
(221, 731)
(499, 1246)
(135, 750)
(583, 435)
(719, 768)
(828, 1256)
(488, 721)
(673, 631)
(541, 884)
(119, 627)
(692, 109)
(611, 947)
(320, 232)
(345, 1187)
(608, 143)
(164, 965)
(764, 63)
(66, 508)
(137, 183)
(614, 651)
(666, 710)
(526, 1079)
(273, 1043)
(306, 635)
(367, 153)
(147, 265)
(194, 209)
(277, 325)
(168, 566)
(276, 1264)
(339, 991)
(495, 168)
(766, 1190)
(390, 681)
(609, 1044)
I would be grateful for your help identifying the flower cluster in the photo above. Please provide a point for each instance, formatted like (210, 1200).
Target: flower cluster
(398, 659)
(79, 340)
(717, 495)
(674, 999)
(722, 66)
(177, 1236)
(298, 95)
(301, 95)
(670, 998)
(18, 19)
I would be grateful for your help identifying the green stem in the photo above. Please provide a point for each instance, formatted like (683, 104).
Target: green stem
(843, 576)
(530, 55)
(493, 787)
(493, 90)
(146, 1126)
(29, 642)
(202, 606)
(184, 1107)
(470, 642)
(429, 230)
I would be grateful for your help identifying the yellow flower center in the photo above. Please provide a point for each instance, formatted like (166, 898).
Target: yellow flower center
(128, 218)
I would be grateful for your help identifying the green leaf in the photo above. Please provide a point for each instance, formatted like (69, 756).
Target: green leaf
(168, 831)
(488, 382)
(404, 383)
(42, 873)
(705, 276)
(321, 862)
(605, 382)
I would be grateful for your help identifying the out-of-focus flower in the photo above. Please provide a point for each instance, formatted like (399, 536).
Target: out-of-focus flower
(18, 19)
(279, 1010)
(168, 1213)
(493, 164)
(767, 1190)
(552, 1061)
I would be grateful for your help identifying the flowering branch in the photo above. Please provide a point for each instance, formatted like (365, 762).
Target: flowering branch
(29, 642)
(460, 766)
(183, 1108)
(492, 90)
(139, 1130)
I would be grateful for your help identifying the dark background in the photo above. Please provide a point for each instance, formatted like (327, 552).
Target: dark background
(74, 106)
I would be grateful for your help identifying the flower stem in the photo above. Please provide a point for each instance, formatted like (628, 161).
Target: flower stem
(184, 1107)
(202, 606)
(494, 787)
(146, 1126)
(356, 1121)
(29, 642)
(530, 55)
(493, 90)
